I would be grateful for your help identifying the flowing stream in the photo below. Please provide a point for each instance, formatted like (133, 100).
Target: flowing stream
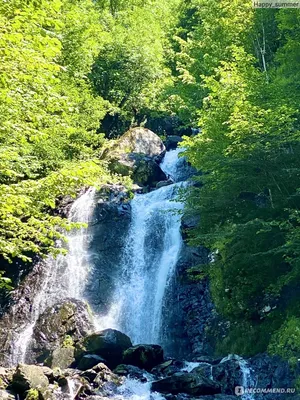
(149, 260)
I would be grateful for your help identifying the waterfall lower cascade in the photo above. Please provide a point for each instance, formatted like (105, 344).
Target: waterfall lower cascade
(149, 260)
(65, 276)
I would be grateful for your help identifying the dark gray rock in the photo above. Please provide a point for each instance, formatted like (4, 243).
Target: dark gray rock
(19, 313)
(146, 171)
(168, 368)
(109, 344)
(131, 372)
(68, 320)
(144, 356)
(229, 374)
(89, 361)
(189, 383)
(273, 372)
(112, 217)
(164, 183)
(172, 142)
(188, 311)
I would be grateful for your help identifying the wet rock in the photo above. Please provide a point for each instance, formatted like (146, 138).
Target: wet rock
(131, 372)
(272, 372)
(164, 183)
(62, 357)
(229, 373)
(189, 383)
(146, 171)
(112, 217)
(102, 381)
(172, 142)
(168, 368)
(208, 359)
(89, 361)
(67, 321)
(109, 344)
(144, 356)
(29, 377)
(189, 222)
(104, 374)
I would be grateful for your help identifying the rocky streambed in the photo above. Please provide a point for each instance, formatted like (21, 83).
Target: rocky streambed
(72, 362)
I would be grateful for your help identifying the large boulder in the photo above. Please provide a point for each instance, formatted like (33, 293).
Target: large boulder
(109, 344)
(141, 140)
(61, 325)
(29, 377)
(137, 153)
(144, 356)
(190, 383)
(89, 361)
(146, 171)
(61, 357)
(229, 372)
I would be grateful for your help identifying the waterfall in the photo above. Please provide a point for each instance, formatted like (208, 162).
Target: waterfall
(65, 276)
(151, 252)
(148, 263)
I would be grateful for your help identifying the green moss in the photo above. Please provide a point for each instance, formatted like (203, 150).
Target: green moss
(32, 394)
(246, 338)
(68, 341)
(285, 342)
(2, 384)
(297, 384)
(197, 273)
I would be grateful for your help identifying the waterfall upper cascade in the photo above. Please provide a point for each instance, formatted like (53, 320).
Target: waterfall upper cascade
(149, 259)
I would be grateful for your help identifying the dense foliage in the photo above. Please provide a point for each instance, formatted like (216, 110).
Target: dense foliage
(244, 80)
(65, 64)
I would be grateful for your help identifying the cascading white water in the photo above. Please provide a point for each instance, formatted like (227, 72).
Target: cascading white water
(248, 380)
(151, 252)
(65, 276)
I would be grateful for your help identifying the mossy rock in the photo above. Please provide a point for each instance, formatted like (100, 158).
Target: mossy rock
(60, 326)
(144, 356)
(109, 344)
